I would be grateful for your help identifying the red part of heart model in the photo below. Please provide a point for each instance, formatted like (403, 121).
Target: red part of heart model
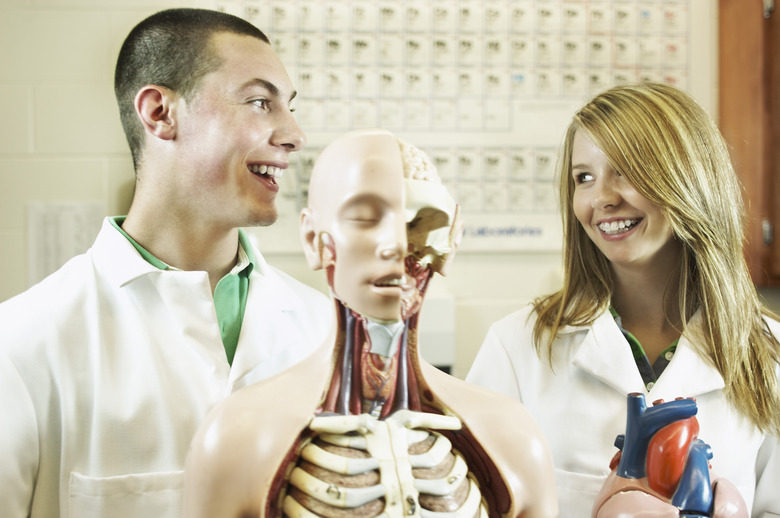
(667, 453)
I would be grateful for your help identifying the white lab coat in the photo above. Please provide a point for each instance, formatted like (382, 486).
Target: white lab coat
(107, 368)
(581, 406)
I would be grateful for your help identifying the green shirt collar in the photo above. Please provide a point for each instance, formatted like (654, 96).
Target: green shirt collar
(246, 255)
(244, 265)
(636, 347)
(649, 372)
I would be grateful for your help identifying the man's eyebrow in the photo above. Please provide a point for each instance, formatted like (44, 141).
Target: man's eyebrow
(272, 88)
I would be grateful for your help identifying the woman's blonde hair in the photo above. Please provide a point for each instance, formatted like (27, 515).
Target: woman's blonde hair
(671, 151)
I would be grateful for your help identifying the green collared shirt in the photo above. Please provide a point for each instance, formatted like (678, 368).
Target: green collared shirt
(230, 293)
(650, 372)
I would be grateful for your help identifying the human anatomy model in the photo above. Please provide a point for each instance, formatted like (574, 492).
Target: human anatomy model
(364, 426)
(662, 469)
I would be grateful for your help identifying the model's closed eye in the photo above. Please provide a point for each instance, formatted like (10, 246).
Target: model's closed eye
(362, 211)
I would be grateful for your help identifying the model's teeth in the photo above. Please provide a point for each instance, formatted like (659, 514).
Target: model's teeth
(273, 172)
(615, 227)
(391, 282)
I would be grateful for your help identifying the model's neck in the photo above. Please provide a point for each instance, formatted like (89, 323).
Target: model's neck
(379, 363)
(373, 370)
(384, 337)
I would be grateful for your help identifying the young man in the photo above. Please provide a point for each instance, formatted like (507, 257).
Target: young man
(108, 366)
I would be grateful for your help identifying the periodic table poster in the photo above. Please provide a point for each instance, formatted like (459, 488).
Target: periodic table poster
(485, 87)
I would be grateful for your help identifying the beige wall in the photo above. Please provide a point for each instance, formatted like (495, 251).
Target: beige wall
(60, 137)
(60, 140)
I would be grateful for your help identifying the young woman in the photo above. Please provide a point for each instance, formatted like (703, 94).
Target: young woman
(656, 300)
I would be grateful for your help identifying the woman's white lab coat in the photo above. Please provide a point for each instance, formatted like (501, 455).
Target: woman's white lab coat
(108, 367)
(581, 406)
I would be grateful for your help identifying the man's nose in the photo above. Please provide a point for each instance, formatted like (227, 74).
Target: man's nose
(287, 133)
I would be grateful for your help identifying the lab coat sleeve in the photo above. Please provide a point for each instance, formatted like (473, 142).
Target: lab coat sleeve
(767, 500)
(18, 443)
(492, 368)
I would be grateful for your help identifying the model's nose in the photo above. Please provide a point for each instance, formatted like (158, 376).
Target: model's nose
(393, 245)
(391, 251)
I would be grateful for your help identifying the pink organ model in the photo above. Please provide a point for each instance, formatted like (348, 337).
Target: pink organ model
(662, 469)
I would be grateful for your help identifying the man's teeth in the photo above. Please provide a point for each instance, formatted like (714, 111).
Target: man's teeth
(615, 227)
(273, 172)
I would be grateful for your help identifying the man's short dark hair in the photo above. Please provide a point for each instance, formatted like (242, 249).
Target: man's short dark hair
(171, 49)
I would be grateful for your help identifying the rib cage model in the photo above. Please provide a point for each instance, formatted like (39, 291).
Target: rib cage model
(353, 475)
(364, 426)
(387, 460)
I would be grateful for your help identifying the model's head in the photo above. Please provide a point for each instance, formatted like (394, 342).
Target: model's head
(171, 48)
(354, 225)
(670, 151)
(373, 201)
(433, 226)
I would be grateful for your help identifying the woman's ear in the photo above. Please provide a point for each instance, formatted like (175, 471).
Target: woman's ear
(310, 240)
(154, 106)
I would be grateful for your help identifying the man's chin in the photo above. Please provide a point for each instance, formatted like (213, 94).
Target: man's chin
(263, 220)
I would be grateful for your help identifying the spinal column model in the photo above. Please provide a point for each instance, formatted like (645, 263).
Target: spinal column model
(364, 426)
(662, 469)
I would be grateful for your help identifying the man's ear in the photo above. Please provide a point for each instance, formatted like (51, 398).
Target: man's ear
(310, 240)
(154, 106)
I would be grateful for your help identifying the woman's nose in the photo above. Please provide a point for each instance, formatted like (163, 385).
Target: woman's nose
(606, 195)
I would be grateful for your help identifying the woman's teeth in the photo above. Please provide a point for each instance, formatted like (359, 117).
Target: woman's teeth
(616, 227)
(273, 172)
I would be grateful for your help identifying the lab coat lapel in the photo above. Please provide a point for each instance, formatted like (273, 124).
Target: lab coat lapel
(605, 354)
(116, 258)
(177, 306)
(272, 336)
(185, 311)
(687, 374)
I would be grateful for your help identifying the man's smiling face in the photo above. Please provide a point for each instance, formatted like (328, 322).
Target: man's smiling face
(236, 133)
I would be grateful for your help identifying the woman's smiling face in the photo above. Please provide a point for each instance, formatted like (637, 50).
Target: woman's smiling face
(621, 222)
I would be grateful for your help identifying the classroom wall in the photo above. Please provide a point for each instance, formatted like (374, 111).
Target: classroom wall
(60, 137)
(61, 140)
